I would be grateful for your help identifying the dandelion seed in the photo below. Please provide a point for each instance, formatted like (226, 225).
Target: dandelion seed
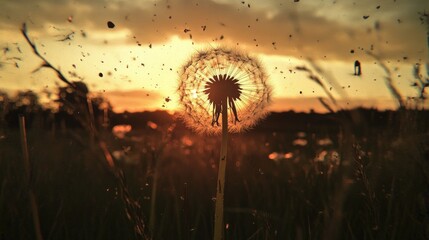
(194, 93)
(212, 75)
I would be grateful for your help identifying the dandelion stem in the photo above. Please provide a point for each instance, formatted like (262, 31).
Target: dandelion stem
(218, 227)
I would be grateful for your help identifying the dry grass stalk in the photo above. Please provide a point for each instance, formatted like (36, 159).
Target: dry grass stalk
(27, 166)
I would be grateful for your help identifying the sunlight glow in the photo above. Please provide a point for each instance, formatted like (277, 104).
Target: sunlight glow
(288, 155)
(187, 141)
(120, 130)
(152, 125)
(273, 156)
(194, 93)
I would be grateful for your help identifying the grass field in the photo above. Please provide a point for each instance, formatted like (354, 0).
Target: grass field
(355, 178)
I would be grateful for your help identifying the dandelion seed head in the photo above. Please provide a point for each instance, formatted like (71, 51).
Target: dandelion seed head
(214, 74)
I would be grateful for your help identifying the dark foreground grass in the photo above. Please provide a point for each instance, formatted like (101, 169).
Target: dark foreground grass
(370, 182)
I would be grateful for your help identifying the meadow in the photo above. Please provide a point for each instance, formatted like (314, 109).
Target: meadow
(356, 174)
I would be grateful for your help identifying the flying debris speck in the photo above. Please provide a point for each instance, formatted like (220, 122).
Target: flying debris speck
(357, 68)
(110, 24)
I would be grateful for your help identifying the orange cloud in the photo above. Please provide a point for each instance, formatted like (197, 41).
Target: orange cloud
(272, 27)
(307, 104)
(134, 100)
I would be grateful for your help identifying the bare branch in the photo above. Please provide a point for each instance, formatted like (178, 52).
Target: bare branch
(46, 63)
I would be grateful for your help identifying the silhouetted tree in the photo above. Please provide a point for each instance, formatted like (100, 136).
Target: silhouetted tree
(78, 109)
(25, 103)
(103, 111)
(73, 105)
(71, 100)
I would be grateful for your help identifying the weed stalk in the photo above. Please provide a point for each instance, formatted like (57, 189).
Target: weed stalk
(27, 166)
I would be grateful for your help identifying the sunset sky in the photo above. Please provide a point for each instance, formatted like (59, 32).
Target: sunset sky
(140, 57)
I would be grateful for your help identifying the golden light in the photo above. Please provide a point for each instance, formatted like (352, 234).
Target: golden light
(187, 141)
(300, 142)
(194, 93)
(120, 130)
(273, 156)
(152, 125)
(321, 156)
(288, 155)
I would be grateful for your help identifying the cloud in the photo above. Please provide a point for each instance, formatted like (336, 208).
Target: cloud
(134, 100)
(307, 104)
(317, 29)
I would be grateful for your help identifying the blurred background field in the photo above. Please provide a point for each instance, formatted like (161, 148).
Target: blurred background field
(356, 174)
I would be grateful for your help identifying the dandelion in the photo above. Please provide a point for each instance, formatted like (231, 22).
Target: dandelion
(225, 82)
(214, 75)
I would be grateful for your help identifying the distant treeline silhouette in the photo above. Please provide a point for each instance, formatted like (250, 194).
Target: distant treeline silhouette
(73, 105)
(70, 106)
